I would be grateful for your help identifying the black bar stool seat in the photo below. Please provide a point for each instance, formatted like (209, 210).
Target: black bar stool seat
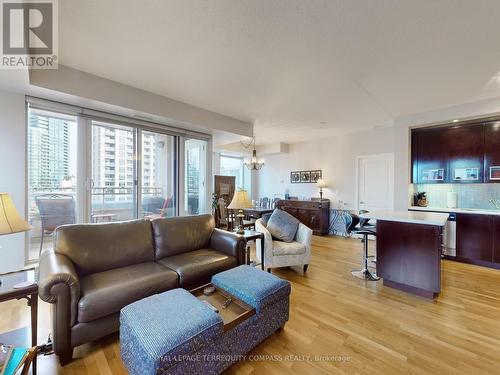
(365, 230)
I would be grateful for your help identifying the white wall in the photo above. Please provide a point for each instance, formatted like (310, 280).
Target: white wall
(12, 173)
(336, 158)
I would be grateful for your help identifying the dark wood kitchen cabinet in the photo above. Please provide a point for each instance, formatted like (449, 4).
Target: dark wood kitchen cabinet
(475, 234)
(314, 214)
(449, 154)
(431, 156)
(496, 239)
(492, 151)
(465, 153)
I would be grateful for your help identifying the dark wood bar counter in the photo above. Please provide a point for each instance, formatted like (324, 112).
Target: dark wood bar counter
(409, 250)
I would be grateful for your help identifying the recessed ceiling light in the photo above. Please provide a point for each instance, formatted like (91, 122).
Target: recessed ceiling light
(323, 122)
(455, 120)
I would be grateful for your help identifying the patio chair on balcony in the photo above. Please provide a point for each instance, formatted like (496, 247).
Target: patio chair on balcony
(55, 210)
(156, 207)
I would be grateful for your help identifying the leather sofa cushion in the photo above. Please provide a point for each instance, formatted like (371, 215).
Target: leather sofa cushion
(100, 247)
(176, 235)
(288, 248)
(107, 292)
(198, 266)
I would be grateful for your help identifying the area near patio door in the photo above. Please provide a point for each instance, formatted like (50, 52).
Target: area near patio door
(84, 169)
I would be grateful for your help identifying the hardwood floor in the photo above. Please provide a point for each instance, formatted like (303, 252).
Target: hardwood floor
(340, 324)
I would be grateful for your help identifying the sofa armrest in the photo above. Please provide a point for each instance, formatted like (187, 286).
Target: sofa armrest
(229, 243)
(58, 283)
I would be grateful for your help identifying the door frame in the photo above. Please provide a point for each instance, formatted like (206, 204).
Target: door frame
(390, 157)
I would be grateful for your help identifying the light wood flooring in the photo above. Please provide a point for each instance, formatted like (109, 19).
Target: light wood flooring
(340, 324)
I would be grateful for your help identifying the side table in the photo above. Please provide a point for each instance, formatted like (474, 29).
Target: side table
(29, 292)
(251, 235)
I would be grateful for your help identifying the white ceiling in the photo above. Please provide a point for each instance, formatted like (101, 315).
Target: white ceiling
(297, 69)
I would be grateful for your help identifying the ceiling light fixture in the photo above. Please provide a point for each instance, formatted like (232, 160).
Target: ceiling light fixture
(455, 120)
(253, 164)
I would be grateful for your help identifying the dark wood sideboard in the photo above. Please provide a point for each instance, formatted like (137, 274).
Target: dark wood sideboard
(314, 214)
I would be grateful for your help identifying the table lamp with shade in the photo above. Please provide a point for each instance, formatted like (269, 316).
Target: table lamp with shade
(240, 201)
(10, 220)
(321, 184)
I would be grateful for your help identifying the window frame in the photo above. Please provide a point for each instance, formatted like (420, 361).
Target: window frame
(84, 117)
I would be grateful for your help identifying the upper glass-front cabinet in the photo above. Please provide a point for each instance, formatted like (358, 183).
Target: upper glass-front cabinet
(451, 154)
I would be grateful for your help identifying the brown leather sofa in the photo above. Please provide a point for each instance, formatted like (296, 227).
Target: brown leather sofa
(96, 269)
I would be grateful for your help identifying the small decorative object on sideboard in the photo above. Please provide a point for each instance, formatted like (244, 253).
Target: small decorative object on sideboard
(321, 184)
(420, 199)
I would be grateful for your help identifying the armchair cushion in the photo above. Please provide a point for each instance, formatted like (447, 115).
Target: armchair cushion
(288, 248)
(107, 292)
(282, 225)
(265, 218)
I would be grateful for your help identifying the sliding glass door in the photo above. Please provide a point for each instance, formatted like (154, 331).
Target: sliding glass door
(158, 175)
(195, 175)
(113, 187)
(52, 176)
(85, 168)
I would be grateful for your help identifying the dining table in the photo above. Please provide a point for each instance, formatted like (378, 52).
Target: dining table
(256, 212)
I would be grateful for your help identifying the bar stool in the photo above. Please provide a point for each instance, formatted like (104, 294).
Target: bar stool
(364, 229)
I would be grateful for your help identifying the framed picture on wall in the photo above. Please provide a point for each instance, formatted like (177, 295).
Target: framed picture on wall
(294, 177)
(305, 176)
(316, 175)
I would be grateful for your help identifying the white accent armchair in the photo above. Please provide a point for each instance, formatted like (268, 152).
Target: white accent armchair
(285, 254)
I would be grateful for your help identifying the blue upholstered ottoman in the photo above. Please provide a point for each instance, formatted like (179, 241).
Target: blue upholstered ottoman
(176, 333)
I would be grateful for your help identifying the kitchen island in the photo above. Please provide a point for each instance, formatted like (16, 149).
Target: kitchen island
(409, 250)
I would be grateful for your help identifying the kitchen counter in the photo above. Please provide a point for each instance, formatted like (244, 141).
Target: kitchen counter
(409, 250)
(456, 210)
(412, 217)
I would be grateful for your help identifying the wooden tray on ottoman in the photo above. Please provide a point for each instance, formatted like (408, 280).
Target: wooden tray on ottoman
(237, 311)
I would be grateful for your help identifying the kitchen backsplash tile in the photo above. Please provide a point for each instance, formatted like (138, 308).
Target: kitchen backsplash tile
(469, 195)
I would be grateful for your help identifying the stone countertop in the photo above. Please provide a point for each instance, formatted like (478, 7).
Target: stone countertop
(456, 210)
(428, 218)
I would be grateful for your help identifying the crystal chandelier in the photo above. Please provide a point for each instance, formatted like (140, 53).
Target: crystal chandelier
(253, 164)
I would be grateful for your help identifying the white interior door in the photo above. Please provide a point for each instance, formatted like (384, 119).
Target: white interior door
(375, 182)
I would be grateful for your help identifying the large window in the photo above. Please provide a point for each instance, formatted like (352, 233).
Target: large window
(195, 175)
(114, 173)
(52, 176)
(234, 166)
(158, 186)
(82, 168)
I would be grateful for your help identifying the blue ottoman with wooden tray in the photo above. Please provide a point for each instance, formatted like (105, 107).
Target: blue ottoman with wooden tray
(176, 332)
